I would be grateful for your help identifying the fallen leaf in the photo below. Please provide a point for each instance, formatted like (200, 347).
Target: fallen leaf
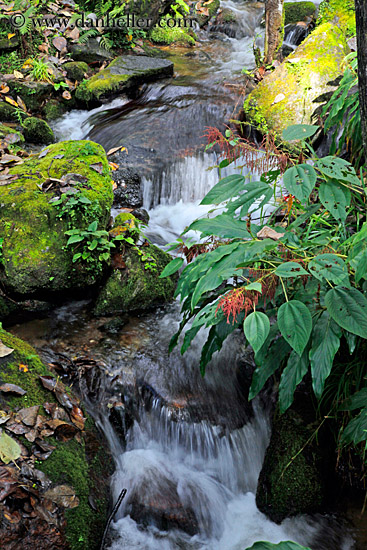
(21, 104)
(4, 350)
(63, 495)
(115, 149)
(113, 165)
(28, 415)
(60, 43)
(11, 101)
(77, 417)
(6, 159)
(66, 95)
(9, 449)
(268, 233)
(10, 35)
(23, 368)
(98, 167)
(4, 89)
(4, 417)
(13, 517)
(48, 382)
(17, 428)
(12, 388)
(12, 138)
(278, 98)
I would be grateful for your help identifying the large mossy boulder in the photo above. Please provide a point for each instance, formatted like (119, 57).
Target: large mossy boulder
(35, 259)
(9, 134)
(164, 34)
(134, 286)
(290, 481)
(32, 93)
(123, 73)
(78, 463)
(37, 130)
(340, 12)
(76, 70)
(290, 94)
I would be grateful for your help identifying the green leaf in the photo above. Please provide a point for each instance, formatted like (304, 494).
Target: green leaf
(337, 168)
(310, 211)
(361, 270)
(93, 226)
(217, 335)
(172, 267)
(336, 198)
(225, 189)
(74, 239)
(325, 343)
(254, 286)
(256, 328)
(356, 430)
(295, 324)
(356, 401)
(300, 180)
(292, 375)
(272, 361)
(288, 545)
(330, 267)
(299, 131)
(93, 244)
(9, 449)
(290, 269)
(77, 256)
(348, 308)
(221, 226)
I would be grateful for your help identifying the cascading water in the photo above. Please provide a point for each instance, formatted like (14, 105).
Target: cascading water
(193, 448)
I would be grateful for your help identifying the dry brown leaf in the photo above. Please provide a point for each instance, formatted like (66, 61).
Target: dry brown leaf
(77, 417)
(4, 89)
(28, 416)
(115, 149)
(11, 101)
(4, 350)
(21, 104)
(18, 74)
(66, 95)
(268, 233)
(98, 167)
(63, 495)
(60, 43)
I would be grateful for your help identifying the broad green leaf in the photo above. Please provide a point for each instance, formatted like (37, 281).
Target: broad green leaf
(217, 335)
(172, 267)
(330, 267)
(310, 211)
(254, 286)
(356, 401)
(295, 324)
(348, 308)
(300, 180)
(225, 189)
(221, 226)
(272, 361)
(338, 169)
(256, 328)
(356, 430)
(287, 545)
(336, 198)
(351, 341)
(93, 226)
(361, 270)
(9, 449)
(253, 191)
(299, 131)
(74, 239)
(292, 375)
(325, 343)
(290, 269)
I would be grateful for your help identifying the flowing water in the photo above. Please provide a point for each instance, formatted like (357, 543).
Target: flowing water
(192, 448)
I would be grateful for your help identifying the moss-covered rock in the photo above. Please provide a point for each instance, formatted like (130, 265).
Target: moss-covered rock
(297, 11)
(84, 465)
(32, 93)
(53, 109)
(123, 73)
(6, 130)
(291, 93)
(162, 33)
(290, 481)
(212, 8)
(35, 257)
(75, 70)
(37, 130)
(7, 112)
(9, 44)
(136, 287)
(341, 13)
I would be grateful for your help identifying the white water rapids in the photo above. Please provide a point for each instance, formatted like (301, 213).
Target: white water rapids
(196, 467)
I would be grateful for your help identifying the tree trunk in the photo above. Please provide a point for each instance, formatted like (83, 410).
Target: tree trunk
(361, 20)
(273, 29)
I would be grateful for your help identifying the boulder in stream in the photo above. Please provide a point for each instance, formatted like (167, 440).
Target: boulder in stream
(291, 93)
(123, 73)
(35, 258)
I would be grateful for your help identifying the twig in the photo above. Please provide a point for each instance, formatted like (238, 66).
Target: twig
(111, 516)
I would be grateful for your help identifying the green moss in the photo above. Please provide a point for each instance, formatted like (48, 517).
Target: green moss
(76, 70)
(228, 16)
(32, 93)
(290, 482)
(5, 130)
(53, 109)
(298, 11)
(100, 84)
(341, 12)
(303, 78)
(136, 287)
(7, 112)
(163, 34)
(122, 218)
(213, 7)
(37, 130)
(34, 254)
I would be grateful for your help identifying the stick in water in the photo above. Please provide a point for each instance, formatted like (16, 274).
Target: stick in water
(112, 515)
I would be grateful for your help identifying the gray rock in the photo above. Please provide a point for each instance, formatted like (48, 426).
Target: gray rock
(128, 193)
(89, 52)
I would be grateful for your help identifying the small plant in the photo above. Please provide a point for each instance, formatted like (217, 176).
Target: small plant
(58, 85)
(1, 251)
(132, 235)
(40, 71)
(92, 246)
(72, 206)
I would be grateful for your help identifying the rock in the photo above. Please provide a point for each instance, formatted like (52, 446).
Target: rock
(76, 70)
(32, 93)
(304, 77)
(153, 10)
(128, 193)
(226, 22)
(163, 34)
(35, 259)
(53, 109)
(83, 466)
(297, 11)
(136, 288)
(289, 486)
(89, 52)
(212, 9)
(9, 44)
(340, 13)
(141, 214)
(7, 112)
(6, 132)
(37, 130)
(123, 73)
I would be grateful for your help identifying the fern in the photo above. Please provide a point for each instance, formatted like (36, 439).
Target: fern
(106, 43)
(85, 36)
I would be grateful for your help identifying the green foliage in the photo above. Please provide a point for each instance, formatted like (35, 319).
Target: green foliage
(40, 71)
(296, 289)
(91, 246)
(281, 546)
(297, 11)
(74, 206)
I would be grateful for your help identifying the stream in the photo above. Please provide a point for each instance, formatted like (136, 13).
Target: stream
(191, 448)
